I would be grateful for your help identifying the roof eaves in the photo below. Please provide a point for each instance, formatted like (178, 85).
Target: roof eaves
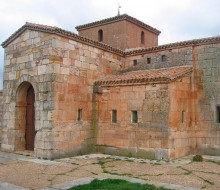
(36, 27)
(118, 18)
(136, 81)
(159, 80)
(63, 33)
(195, 42)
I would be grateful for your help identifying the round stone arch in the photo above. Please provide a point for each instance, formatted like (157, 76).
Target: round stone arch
(26, 97)
(29, 79)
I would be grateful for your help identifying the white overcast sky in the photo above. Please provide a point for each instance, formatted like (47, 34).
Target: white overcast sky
(178, 20)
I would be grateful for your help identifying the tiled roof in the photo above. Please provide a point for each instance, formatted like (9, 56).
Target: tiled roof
(164, 75)
(194, 42)
(118, 18)
(63, 33)
(128, 52)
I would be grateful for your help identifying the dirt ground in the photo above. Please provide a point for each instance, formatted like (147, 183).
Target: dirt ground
(32, 173)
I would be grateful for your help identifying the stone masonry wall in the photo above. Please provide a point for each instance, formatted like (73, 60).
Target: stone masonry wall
(81, 64)
(205, 60)
(182, 118)
(174, 57)
(61, 72)
(29, 61)
(149, 137)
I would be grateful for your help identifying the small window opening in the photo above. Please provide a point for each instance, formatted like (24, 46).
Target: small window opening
(79, 118)
(114, 116)
(134, 117)
(163, 58)
(142, 37)
(148, 60)
(100, 35)
(183, 116)
(218, 114)
(135, 62)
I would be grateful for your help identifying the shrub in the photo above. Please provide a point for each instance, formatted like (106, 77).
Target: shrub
(197, 158)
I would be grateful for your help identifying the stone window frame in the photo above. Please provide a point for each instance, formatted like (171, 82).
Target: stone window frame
(142, 37)
(114, 116)
(163, 58)
(183, 116)
(100, 35)
(135, 62)
(134, 116)
(79, 114)
(218, 114)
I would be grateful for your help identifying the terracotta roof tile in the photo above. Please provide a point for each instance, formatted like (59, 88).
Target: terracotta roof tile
(164, 75)
(128, 52)
(118, 18)
(63, 33)
(194, 42)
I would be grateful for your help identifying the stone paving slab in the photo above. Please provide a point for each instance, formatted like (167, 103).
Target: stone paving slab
(27, 172)
(7, 186)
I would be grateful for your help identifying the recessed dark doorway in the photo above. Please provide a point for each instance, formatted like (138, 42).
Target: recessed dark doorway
(30, 120)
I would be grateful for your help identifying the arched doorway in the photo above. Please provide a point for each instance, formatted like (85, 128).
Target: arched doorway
(25, 117)
(30, 120)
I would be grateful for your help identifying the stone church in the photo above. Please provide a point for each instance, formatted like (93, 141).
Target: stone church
(110, 89)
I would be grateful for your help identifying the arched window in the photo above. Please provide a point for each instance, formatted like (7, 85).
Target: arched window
(142, 37)
(100, 36)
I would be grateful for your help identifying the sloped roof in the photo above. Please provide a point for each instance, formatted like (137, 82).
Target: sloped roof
(119, 18)
(60, 32)
(128, 52)
(163, 75)
(188, 43)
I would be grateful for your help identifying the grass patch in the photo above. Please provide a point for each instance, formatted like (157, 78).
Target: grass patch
(197, 158)
(116, 184)
(101, 163)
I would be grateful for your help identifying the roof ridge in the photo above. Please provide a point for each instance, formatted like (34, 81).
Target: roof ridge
(119, 17)
(136, 51)
(42, 25)
(185, 43)
(145, 76)
(61, 32)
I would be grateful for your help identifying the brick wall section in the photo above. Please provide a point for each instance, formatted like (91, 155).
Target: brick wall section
(134, 37)
(122, 35)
